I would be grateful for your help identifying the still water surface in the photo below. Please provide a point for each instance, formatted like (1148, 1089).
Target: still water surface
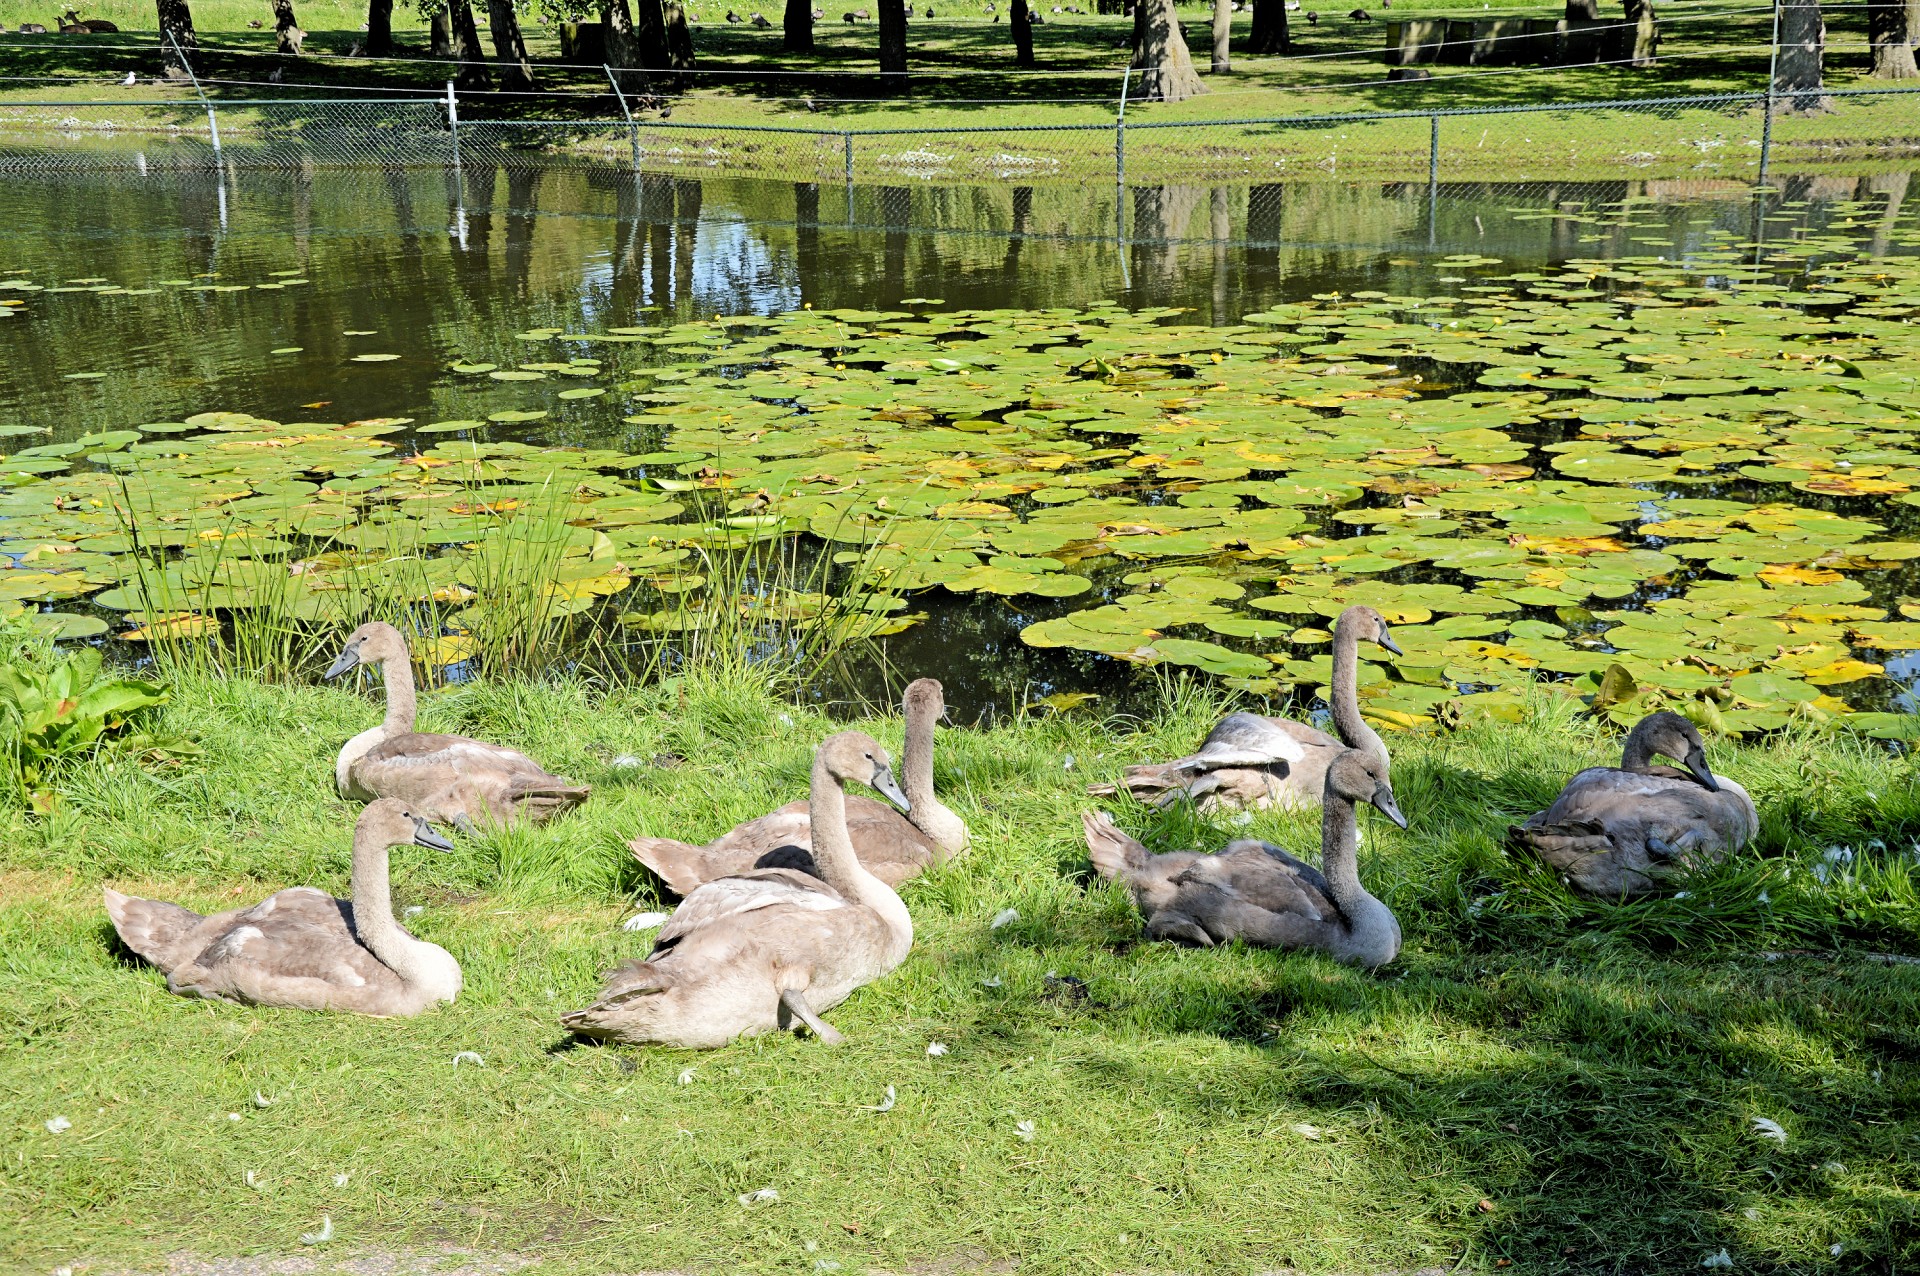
(437, 268)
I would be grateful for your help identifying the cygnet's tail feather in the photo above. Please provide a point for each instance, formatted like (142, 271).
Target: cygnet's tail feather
(624, 983)
(1145, 782)
(563, 792)
(680, 865)
(150, 927)
(1562, 846)
(1115, 855)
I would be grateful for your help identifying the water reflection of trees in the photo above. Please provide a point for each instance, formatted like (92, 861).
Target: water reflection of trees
(454, 262)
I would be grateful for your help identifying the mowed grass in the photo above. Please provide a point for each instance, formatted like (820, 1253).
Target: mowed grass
(1567, 1087)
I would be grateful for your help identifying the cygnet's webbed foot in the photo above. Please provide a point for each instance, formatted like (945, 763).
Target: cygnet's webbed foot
(464, 825)
(795, 1002)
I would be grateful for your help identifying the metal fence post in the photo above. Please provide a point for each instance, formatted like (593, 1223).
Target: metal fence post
(1433, 179)
(453, 122)
(633, 134)
(213, 125)
(1766, 137)
(1120, 161)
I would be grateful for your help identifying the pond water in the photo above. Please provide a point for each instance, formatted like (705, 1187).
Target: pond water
(1670, 426)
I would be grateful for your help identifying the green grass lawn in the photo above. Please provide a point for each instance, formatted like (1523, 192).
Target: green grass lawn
(965, 80)
(1561, 1086)
(964, 59)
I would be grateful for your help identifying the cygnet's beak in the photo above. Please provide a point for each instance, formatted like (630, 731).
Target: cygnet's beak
(1386, 640)
(348, 659)
(423, 835)
(1383, 798)
(883, 785)
(1697, 764)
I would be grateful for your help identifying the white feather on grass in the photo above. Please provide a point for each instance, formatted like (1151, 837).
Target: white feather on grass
(468, 1056)
(1767, 1128)
(1305, 1131)
(322, 1236)
(645, 921)
(1025, 1130)
(755, 1198)
(936, 1048)
(1722, 1259)
(686, 1076)
(261, 1100)
(885, 1105)
(1005, 917)
(59, 1125)
(340, 1180)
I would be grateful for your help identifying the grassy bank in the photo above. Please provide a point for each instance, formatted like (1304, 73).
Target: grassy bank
(751, 108)
(1564, 1087)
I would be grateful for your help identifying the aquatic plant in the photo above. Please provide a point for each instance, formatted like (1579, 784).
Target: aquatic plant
(55, 707)
(1640, 482)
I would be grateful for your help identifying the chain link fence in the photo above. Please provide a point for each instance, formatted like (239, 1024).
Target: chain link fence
(1736, 136)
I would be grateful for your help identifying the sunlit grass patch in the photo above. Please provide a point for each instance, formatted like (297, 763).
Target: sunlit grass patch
(1591, 1074)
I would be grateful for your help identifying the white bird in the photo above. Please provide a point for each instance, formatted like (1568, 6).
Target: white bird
(130, 81)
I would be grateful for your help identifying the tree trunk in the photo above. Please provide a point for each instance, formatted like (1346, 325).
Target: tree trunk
(1161, 53)
(1020, 20)
(509, 46)
(1798, 65)
(176, 20)
(379, 42)
(1894, 187)
(1891, 28)
(1583, 10)
(797, 27)
(287, 35)
(440, 35)
(1222, 35)
(623, 50)
(650, 34)
(1269, 33)
(466, 47)
(1642, 41)
(679, 36)
(893, 45)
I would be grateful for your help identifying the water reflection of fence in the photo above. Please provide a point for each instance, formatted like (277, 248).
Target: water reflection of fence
(1741, 136)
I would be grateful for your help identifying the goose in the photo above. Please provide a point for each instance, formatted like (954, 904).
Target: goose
(450, 779)
(1252, 761)
(301, 948)
(893, 847)
(767, 949)
(1256, 892)
(1615, 831)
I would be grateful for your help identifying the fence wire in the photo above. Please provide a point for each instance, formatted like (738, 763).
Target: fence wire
(1730, 135)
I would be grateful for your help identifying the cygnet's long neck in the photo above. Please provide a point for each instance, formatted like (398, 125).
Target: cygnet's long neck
(930, 815)
(397, 672)
(840, 866)
(1352, 727)
(421, 966)
(1638, 754)
(1373, 933)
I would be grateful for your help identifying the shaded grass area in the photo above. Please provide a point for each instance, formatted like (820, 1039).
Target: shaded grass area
(1570, 1087)
(961, 58)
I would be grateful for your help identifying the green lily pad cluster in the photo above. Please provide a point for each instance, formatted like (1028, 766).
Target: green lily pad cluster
(1633, 480)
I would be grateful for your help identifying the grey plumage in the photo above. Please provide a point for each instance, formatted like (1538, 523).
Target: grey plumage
(1256, 892)
(1616, 832)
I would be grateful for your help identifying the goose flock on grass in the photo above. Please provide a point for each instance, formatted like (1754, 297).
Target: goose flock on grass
(786, 916)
